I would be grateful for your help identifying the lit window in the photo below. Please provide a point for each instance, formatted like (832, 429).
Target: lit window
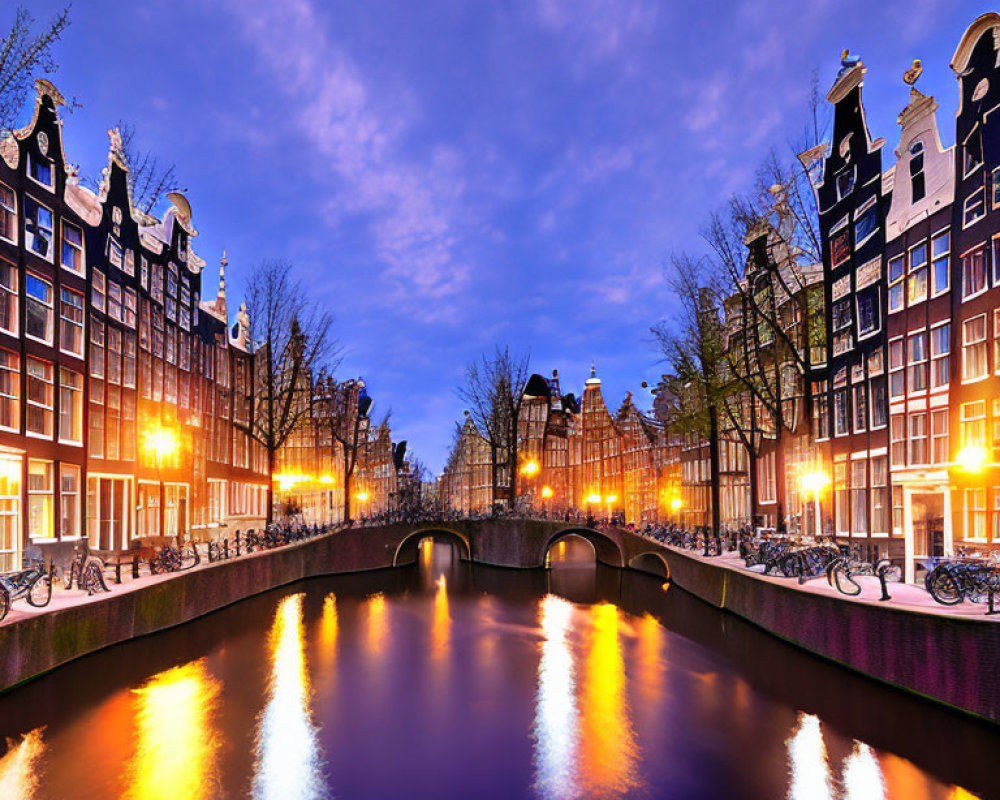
(897, 439)
(918, 438)
(72, 247)
(40, 500)
(144, 272)
(974, 272)
(917, 282)
(38, 308)
(896, 270)
(859, 500)
(71, 322)
(37, 228)
(10, 391)
(939, 437)
(840, 248)
(40, 398)
(973, 424)
(974, 351)
(70, 406)
(69, 501)
(96, 347)
(975, 514)
(8, 298)
(8, 214)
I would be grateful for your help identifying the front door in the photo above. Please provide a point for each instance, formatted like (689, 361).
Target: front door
(928, 524)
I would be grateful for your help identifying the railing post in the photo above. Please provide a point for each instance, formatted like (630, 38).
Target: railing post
(991, 600)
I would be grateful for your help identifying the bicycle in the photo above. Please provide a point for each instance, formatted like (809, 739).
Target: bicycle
(86, 571)
(33, 583)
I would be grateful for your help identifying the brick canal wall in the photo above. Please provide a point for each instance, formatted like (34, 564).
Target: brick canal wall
(950, 659)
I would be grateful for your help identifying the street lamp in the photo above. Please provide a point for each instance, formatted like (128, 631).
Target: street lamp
(971, 458)
(611, 499)
(162, 443)
(530, 468)
(815, 482)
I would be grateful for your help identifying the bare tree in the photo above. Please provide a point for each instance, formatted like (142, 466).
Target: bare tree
(341, 407)
(493, 389)
(26, 54)
(294, 347)
(148, 179)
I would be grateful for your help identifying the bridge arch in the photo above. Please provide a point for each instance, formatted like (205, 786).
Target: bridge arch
(652, 563)
(406, 551)
(607, 549)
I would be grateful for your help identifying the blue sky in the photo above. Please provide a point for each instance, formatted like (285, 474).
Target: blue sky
(449, 175)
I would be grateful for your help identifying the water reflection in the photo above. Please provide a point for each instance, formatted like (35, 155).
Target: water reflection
(19, 774)
(288, 763)
(555, 729)
(441, 627)
(378, 624)
(608, 751)
(808, 762)
(177, 745)
(863, 775)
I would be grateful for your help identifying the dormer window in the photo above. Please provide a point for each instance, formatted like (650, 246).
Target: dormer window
(917, 188)
(37, 228)
(8, 214)
(114, 252)
(845, 182)
(40, 170)
(972, 152)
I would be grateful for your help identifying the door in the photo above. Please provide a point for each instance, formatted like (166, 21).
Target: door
(928, 525)
(10, 513)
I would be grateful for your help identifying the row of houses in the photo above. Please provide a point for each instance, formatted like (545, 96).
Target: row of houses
(126, 397)
(863, 395)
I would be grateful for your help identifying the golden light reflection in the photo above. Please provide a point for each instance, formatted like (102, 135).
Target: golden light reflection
(808, 761)
(958, 793)
(177, 745)
(19, 767)
(904, 779)
(378, 624)
(863, 775)
(608, 749)
(427, 552)
(287, 762)
(441, 629)
(651, 662)
(329, 625)
(556, 731)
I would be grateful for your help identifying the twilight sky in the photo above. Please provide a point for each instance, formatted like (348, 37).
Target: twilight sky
(449, 175)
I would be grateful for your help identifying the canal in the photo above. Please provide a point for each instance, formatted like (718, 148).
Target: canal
(444, 680)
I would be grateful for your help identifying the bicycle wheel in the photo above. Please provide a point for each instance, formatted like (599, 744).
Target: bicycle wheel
(92, 579)
(40, 592)
(943, 587)
(845, 582)
(189, 557)
(4, 602)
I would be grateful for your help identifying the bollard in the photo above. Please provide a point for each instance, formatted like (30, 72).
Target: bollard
(991, 609)
(238, 543)
(882, 583)
(225, 548)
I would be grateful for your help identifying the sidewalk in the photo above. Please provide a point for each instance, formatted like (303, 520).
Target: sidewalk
(905, 596)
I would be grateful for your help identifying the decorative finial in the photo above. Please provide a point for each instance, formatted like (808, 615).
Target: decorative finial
(914, 72)
(845, 54)
(593, 370)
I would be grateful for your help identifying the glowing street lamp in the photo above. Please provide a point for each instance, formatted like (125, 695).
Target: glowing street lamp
(162, 443)
(593, 498)
(815, 482)
(530, 468)
(546, 492)
(676, 503)
(326, 480)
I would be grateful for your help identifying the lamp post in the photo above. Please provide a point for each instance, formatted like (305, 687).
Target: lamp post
(162, 443)
(675, 506)
(529, 469)
(611, 499)
(546, 496)
(362, 498)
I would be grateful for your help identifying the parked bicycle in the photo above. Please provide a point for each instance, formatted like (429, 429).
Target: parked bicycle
(950, 582)
(33, 583)
(86, 571)
(174, 559)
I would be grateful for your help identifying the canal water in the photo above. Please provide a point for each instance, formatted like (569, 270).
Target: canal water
(444, 680)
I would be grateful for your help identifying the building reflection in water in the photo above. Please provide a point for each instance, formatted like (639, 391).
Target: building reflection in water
(378, 624)
(556, 730)
(863, 775)
(19, 768)
(177, 744)
(807, 760)
(608, 752)
(287, 756)
(441, 627)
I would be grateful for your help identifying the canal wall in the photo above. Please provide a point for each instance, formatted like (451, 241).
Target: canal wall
(950, 659)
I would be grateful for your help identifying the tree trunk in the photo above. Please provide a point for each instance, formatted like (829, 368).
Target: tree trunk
(347, 488)
(270, 486)
(752, 475)
(713, 461)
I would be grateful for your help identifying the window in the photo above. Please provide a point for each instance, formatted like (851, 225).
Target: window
(974, 272)
(71, 322)
(70, 406)
(869, 319)
(40, 169)
(972, 152)
(40, 397)
(896, 269)
(37, 228)
(98, 291)
(974, 352)
(96, 347)
(880, 408)
(69, 501)
(114, 355)
(10, 390)
(859, 500)
(865, 223)
(131, 304)
(995, 186)
(975, 514)
(72, 247)
(841, 314)
(144, 272)
(40, 500)
(897, 385)
(940, 358)
(972, 421)
(129, 266)
(974, 208)
(128, 369)
(115, 309)
(112, 423)
(114, 252)
(8, 298)
(918, 438)
(38, 308)
(996, 430)
(157, 288)
(880, 495)
(860, 407)
(897, 439)
(917, 189)
(841, 499)
(8, 214)
(940, 266)
(840, 412)
(840, 248)
(917, 362)
(939, 436)
(917, 283)
(821, 410)
(95, 419)
(845, 182)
